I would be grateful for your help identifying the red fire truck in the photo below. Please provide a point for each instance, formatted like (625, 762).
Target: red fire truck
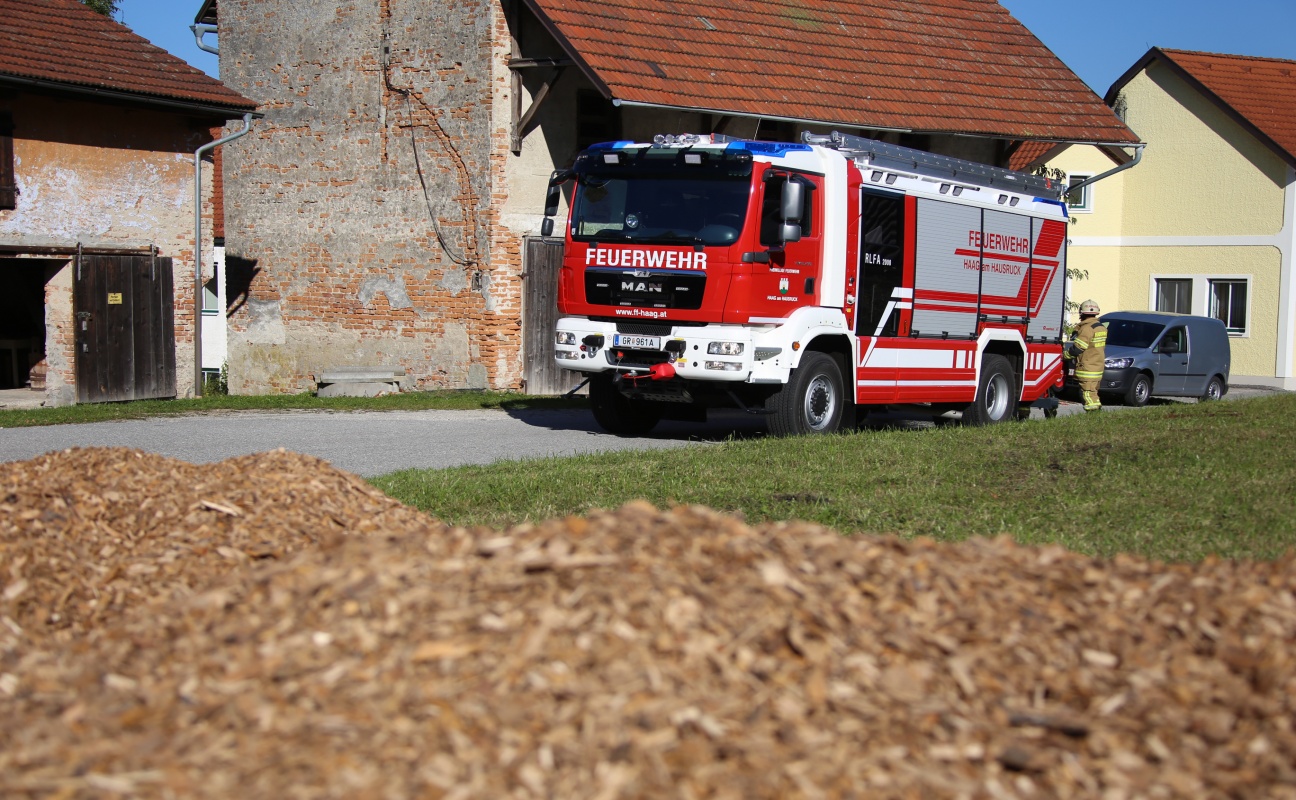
(806, 281)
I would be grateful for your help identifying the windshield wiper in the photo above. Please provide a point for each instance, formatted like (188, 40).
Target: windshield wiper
(697, 241)
(610, 236)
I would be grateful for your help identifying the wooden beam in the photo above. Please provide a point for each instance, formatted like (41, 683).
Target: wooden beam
(524, 125)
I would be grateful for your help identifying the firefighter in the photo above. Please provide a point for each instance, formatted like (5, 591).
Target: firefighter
(1088, 347)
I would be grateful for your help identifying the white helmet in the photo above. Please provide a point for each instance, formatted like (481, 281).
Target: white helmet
(1089, 307)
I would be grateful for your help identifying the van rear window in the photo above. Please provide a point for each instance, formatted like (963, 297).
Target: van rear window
(1129, 333)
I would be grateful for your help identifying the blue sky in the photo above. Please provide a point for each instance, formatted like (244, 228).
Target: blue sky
(1098, 39)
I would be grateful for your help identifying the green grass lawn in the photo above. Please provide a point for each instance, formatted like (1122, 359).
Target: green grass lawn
(1175, 482)
(406, 401)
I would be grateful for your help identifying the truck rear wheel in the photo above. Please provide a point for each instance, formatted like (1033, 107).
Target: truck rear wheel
(616, 413)
(811, 402)
(994, 398)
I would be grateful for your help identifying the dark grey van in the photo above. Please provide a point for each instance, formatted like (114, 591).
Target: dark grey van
(1153, 353)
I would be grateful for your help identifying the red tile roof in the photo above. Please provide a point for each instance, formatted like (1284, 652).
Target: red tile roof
(956, 66)
(1260, 93)
(1031, 154)
(64, 43)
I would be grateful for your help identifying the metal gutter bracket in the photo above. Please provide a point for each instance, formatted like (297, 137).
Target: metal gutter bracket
(201, 30)
(1138, 156)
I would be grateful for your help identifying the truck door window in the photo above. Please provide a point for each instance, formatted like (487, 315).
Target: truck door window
(770, 205)
(881, 262)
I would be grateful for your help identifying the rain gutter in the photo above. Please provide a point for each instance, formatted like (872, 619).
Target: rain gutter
(198, 304)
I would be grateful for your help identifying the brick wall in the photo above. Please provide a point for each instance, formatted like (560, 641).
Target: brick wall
(364, 205)
(123, 182)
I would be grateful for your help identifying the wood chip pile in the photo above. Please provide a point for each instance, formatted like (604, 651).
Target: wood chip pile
(270, 627)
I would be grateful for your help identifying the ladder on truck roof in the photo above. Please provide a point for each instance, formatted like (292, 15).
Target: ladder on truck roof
(905, 159)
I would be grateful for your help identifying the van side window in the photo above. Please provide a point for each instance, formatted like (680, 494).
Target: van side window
(1174, 341)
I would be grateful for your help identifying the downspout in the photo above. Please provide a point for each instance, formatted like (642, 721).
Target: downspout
(1138, 156)
(199, 31)
(198, 154)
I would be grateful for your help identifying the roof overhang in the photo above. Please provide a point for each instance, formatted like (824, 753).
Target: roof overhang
(731, 113)
(206, 15)
(217, 111)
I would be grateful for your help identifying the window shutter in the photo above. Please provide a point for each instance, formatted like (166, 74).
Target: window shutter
(8, 179)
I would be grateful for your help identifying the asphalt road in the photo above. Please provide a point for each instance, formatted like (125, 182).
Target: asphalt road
(375, 443)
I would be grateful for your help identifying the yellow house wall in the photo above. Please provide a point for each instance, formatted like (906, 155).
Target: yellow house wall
(1207, 200)
(1202, 174)
(1253, 353)
(1099, 266)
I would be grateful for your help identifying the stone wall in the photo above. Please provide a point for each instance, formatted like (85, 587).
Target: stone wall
(361, 205)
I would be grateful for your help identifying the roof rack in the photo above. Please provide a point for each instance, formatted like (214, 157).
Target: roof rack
(893, 156)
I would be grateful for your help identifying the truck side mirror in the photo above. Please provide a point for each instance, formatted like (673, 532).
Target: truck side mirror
(546, 226)
(791, 209)
(552, 198)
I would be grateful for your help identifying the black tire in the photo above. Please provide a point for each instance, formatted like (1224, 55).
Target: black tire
(811, 402)
(995, 400)
(1215, 389)
(616, 413)
(1139, 392)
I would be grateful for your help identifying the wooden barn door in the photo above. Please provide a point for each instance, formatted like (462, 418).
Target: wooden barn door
(541, 375)
(125, 328)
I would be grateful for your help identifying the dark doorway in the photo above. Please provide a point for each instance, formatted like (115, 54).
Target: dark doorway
(125, 328)
(22, 321)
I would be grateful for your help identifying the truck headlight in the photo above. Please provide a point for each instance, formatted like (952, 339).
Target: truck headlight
(725, 366)
(725, 349)
(566, 337)
(1118, 363)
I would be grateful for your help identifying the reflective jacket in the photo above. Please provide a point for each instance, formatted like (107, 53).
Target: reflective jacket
(1089, 346)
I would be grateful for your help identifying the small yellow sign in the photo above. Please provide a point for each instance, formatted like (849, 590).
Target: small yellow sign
(114, 298)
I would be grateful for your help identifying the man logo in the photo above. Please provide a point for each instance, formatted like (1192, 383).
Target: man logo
(642, 287)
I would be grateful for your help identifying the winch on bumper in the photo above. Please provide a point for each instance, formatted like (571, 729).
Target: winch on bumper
(643, 353)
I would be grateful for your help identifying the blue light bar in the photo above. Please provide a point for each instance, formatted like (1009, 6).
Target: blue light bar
(771, 148)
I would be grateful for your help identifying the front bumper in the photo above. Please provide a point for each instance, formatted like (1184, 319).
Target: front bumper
(591, 346)
(1113, 380)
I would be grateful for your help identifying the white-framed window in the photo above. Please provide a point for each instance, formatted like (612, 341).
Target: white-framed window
(1228, 303)
(1224, 297)
(1081, 201)
(211, 299)
(1174, 295)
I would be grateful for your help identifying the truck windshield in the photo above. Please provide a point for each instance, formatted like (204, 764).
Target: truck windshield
(660, 208)
(1131, 333)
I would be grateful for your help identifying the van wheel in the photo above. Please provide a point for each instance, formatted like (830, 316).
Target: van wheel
(994, 398)
(616, 413)
(811, 402)
(1136, 396)
(1214, 390)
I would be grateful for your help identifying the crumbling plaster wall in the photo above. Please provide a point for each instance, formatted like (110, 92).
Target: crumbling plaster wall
(364, 198)
(104, 176)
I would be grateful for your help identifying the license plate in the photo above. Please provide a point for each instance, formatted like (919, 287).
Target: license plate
(637, 342)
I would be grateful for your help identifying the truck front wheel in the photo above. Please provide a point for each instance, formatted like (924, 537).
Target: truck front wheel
(811, 402)
(616, 413)
(994, 398)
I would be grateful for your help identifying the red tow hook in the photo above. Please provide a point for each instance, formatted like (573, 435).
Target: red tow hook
(657, 372)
